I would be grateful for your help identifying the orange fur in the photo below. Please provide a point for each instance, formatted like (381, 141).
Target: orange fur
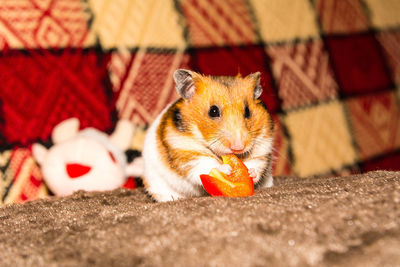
(231, 101)
(228, 93)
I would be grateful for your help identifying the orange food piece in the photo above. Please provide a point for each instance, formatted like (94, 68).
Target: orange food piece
(237, 184)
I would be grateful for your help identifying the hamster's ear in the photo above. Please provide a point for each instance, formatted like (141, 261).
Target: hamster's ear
(39, 152)
(257, 87)
(184, 83)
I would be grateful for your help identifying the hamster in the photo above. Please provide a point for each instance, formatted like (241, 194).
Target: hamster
(215, 115)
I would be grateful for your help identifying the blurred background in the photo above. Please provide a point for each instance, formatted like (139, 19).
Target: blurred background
(330, 72)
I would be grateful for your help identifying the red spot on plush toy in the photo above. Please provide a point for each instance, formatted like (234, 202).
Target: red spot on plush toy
(130, 183)
(76, 170)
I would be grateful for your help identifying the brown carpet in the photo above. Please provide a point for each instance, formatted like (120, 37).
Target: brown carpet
(343, 221)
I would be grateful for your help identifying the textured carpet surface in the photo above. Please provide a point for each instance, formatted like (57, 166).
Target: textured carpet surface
(343, 221)
(330, 71)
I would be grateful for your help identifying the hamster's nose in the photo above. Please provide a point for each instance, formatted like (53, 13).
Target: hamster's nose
(237, 146)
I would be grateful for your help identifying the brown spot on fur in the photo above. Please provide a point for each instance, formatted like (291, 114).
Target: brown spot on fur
(227, 81)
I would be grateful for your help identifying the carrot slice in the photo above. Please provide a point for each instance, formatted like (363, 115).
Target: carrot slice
(237, 184)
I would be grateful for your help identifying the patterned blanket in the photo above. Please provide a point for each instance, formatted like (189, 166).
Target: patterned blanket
(330, 72)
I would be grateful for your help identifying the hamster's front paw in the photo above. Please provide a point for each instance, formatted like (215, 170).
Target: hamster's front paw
(253, 174)
(225, 168)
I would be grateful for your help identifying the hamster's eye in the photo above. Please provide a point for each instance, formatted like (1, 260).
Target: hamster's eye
(247, 112)
(214, 112)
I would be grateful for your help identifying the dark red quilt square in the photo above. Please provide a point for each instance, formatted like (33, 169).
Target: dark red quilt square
(233, 60)
(358, 64)
(39, 89)
(388, 162)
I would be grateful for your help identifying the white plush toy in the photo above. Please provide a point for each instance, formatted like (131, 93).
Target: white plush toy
(87, 160)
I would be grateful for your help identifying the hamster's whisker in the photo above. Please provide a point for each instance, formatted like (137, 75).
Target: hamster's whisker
(214, 141)
(219, 144)
(257, 131)
(261, 142)
(279, 153)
